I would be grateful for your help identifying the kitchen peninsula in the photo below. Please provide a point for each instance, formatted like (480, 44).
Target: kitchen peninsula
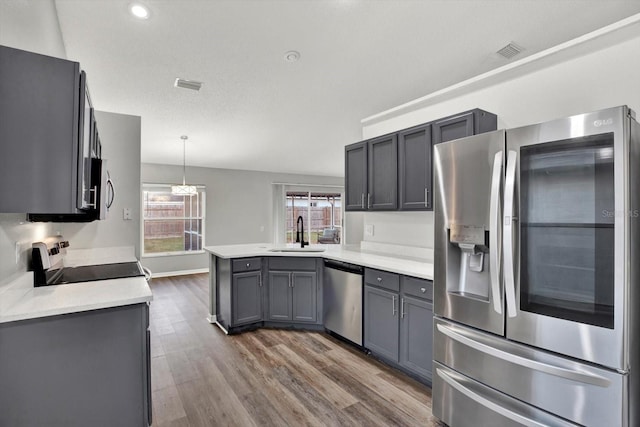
(281, 286)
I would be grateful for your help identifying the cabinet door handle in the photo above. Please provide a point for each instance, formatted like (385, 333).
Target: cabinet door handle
(290, 281)
(368, 200)
(426, 197)
(362, 201)
(402, 308)
(260, 280)
(393, 305)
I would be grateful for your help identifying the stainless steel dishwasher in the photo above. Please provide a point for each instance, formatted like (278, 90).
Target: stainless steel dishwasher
(342, 299)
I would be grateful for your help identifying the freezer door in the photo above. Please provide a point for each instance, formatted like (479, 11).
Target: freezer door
(566, 218)
(578, 392)
(468, 201)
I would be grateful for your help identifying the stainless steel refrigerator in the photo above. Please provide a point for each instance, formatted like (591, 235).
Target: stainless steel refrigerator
(536, 290)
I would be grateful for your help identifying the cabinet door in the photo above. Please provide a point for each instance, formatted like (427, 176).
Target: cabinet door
(381, 329)
(383, 173)
(304, 296)
(416, 335)
(453, 128)
(279, 295)
(247, 297)
(355, 176)
(414, 151)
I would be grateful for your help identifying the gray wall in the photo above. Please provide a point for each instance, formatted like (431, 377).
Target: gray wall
(29, 25)
(120, 136)
(239, 207)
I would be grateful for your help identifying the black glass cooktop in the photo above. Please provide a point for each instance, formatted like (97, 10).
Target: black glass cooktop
(89, 273)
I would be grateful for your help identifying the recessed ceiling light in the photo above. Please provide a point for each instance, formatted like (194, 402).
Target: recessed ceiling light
(292, 56)
(138, 10)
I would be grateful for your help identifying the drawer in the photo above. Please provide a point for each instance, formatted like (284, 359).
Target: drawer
(382, 279)
(292, 263)
(420, 288)
(247, 264)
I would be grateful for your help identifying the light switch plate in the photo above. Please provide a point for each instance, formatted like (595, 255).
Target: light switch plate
(126, 213)
(368, 229)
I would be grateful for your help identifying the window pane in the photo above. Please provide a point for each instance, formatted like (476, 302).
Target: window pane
(324, 224)
(172, 223)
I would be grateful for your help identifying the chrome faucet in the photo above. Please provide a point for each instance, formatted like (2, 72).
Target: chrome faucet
(300, 232)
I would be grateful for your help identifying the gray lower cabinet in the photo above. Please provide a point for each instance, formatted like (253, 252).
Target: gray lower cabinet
(293, 296)
(240, 290)
(381, 333)
(398, 320)
(89, 368)
(247, 297)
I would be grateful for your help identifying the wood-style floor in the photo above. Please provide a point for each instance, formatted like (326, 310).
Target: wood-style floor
(202, 377)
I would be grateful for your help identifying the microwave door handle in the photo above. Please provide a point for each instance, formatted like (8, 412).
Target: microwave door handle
(495, 233)
(112, 191)
(509, 220)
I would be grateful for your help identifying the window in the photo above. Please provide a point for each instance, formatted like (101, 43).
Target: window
(172, 224)
(321, 213)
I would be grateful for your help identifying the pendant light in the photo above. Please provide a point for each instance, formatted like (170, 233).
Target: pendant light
(184, 189)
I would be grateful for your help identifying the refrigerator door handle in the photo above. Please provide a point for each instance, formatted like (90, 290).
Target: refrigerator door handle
(489, 403)
(509, 219)
(495, 233)
(558, 371)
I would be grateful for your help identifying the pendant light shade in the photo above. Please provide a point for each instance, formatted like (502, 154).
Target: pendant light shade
(184, 189)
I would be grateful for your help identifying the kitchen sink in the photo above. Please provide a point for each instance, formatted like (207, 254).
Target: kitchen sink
(307, 249)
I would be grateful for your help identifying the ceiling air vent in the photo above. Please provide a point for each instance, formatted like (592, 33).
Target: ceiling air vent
(188, 84)
(509, 51)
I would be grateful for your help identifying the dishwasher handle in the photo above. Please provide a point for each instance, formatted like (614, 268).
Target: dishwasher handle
(343, 266)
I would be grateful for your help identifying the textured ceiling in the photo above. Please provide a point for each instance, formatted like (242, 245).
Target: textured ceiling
(257, 111)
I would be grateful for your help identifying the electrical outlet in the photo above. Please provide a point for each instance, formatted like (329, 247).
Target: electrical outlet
(368, 230)
(126, 214)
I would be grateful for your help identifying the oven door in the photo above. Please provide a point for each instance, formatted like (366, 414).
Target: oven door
(565, 224)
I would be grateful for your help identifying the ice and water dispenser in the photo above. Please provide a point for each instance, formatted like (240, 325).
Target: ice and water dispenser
(468, 261)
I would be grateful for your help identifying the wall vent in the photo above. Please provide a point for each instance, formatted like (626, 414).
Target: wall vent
(509, 51)
(188, 84)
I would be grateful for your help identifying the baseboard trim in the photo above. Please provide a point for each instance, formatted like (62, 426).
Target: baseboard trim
(181, 272)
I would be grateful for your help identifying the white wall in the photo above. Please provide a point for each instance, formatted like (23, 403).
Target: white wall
(29, 25)
(601, 79)
(239, 207)
(120, 137)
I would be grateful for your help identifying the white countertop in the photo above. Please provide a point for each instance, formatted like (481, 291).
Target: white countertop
(20, 300)
(415, 267)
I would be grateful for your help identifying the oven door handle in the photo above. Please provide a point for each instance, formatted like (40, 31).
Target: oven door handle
(558, 371)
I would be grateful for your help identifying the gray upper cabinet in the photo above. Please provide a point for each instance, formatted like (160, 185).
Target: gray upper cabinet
(414, 161)
(464, 124)
(382, 191)
(44, 135)
(395, 171)
(356, 176)
(247, 297)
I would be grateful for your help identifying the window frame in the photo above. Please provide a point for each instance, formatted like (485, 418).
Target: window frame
(145, 187)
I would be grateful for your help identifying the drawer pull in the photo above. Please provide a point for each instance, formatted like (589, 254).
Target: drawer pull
(379, 279)
(423, 290)
(248, 265)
